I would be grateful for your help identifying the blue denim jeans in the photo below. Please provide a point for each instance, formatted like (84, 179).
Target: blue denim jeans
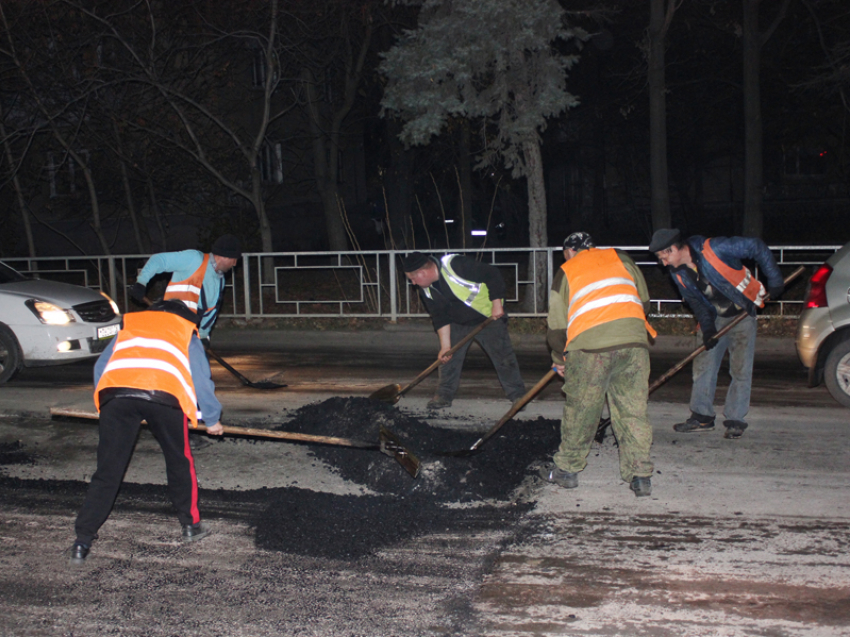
(741, 344)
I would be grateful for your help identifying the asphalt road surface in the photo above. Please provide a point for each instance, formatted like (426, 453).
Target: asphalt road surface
(745, 537)
(362, 361)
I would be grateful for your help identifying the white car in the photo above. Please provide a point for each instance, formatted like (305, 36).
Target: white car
(50, 323)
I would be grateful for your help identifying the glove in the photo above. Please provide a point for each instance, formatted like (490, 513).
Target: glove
(775, 291)
(205, 341)
(138, 291)
(708, 337)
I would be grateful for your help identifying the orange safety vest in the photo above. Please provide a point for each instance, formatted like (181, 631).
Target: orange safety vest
(742, 280)
(152, 352)
(189, 290)
(601, 290)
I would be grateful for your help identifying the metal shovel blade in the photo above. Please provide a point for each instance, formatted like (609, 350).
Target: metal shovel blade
(262, 384)
(388, 394)
(391, 446)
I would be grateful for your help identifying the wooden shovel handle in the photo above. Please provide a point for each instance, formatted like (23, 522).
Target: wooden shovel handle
(515, 408)
(436, 363)
(236, 431)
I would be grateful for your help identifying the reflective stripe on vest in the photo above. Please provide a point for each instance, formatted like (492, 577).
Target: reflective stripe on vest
(475, 295)
(152, 353)
(601, 291)
(189, 290)
(742, 280)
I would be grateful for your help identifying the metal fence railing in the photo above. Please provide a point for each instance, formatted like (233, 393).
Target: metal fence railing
(371, 284)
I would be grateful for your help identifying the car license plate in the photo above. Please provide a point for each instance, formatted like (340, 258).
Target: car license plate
(107, 332)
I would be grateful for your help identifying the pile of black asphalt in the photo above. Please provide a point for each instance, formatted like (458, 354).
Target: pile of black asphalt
(393, 505)
(452, 494)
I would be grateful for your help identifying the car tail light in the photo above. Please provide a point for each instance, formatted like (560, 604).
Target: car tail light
(817, 287)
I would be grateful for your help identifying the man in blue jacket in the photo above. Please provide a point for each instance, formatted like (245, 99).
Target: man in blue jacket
(197, 279)
(717, 287)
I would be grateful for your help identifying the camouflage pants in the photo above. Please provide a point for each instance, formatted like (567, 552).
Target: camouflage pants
(623, 376)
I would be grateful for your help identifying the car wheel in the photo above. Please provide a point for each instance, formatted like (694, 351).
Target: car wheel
(10, 355)
(836, 373)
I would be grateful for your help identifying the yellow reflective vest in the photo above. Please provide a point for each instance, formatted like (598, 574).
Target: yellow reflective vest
(472, 294)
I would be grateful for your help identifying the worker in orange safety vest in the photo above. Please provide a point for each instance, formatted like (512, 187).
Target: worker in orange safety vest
(154, 370)
(597, 332)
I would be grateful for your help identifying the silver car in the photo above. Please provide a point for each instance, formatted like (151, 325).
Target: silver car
(823, 333)
(50, 323)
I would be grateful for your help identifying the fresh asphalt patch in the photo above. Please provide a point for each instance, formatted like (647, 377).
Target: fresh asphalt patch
(463, 495)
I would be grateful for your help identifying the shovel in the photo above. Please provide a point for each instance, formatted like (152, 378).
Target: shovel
(603, 424)
(263, 384)
(392, 393)
(511, 413)
(388, 443)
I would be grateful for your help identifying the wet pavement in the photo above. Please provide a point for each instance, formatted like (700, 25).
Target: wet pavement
(744, 537)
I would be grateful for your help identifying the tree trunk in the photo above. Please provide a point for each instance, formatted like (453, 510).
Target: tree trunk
(464, 213)
(659, 184)
(753, 160)
(128, 192)
(537, 231)
(16, 183)
(325, 167)
(95, 206)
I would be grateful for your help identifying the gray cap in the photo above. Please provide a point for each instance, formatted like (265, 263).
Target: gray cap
(663, 239)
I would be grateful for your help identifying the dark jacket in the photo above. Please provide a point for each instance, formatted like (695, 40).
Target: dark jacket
(445, 308)
(730, 250)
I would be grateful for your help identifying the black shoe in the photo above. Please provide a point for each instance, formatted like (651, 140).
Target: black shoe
(551, 473)
(642, 486)
(438, 403)
(734, 428)
(79, 553)
(693, 425)
(195, 532)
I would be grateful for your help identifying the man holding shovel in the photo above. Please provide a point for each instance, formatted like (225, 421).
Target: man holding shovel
(459, 294)
(597, 331)
(718, 287)
(197, 279)
(154, 370)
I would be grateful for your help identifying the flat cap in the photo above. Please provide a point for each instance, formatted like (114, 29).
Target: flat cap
(227, 246)
(578, 241)
(414, 261)
(663, 239)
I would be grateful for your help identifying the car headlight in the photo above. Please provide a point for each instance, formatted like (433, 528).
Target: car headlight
(49, 313)
(112, 303)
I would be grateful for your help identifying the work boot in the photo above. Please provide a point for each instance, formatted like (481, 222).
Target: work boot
(642, 486)
(439, 403)
(734, 428)
(195, 532)
(79, 553)
(695, 423)
(551, 473)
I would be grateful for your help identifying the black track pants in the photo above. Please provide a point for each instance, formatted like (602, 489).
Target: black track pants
(120, 420)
